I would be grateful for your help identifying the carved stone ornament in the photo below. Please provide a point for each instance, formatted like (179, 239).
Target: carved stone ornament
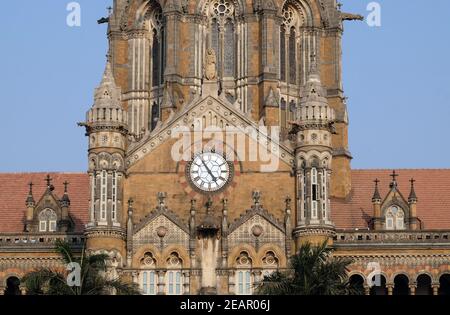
(210, 65)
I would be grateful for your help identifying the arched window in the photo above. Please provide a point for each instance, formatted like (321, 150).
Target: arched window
(174, 277)
(289, 60)
(47, 221)
(289, 31)
(314, 193)
(395, 218)
(103, 195)
(148, 277)
(222, 37)
(157, 61)
(270, 263)
(244, 281)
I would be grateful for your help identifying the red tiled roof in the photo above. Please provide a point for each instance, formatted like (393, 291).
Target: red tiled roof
(14, 191)
(432, 188)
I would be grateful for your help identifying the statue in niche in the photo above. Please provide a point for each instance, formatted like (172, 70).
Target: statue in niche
(210, 65)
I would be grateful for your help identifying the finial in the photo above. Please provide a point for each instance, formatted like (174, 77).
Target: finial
(225, 206)
(394, 176)
(288, 203)
(193, 203)
(66, 184)
(162, 198)
(30, 200)
(412, 195)
(209, 204)
(256, 197)
(48, 179)
(376, 194)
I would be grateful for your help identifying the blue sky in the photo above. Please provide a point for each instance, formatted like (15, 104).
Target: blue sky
(397, 79)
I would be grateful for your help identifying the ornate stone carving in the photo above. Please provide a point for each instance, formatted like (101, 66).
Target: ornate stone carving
(210, 65)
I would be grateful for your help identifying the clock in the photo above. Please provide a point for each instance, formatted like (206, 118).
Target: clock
(209, 172)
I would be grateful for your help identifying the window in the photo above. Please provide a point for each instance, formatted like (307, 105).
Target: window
(314, 193)
(157, 60)
(243, 280)
(324, 194)
(148, 277)
(395, 218)
(93, 178)
(174, 279)
(289, 31)
(114, 197)
(149, 283)
(222, 37)
(270, 263)
(47, 221)
(103, 195)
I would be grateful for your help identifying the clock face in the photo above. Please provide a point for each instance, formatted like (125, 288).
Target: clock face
(209, 172)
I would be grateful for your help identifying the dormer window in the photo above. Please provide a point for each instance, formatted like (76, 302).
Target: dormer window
(395, 218)
(47, 221)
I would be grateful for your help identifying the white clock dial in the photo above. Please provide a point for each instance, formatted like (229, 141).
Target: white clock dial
(209, 172)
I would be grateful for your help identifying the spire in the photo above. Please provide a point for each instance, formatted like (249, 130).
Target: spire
(376, 194)
(107, 94)
(314, 92)
(30, 199)
(65, 201)
(314, 108)
(412, 195)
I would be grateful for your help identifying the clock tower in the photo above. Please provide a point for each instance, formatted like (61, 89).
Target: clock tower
(203, 192)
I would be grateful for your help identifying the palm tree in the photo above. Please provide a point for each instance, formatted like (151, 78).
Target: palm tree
(93, 269)
(313, 272)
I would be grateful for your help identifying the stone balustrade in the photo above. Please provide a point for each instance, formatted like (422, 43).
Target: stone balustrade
(392, 237)
(39, 240)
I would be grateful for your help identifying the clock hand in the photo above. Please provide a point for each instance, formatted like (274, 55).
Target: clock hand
(209, 171)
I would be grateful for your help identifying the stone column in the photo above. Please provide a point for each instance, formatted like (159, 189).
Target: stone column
(435, 289)
(412, 289)
(231, 283)
(135, 277)
(390, 288)
(366, 290)
(2, 291)
(23, 290)
(161, 282)
(186, 282)
(257, 274)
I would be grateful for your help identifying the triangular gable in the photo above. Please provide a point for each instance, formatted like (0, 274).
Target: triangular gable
(244, 229)
(198, 107)
(146, 232)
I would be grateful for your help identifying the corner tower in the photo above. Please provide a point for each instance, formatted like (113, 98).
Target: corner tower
(313, 130)
(106, 127)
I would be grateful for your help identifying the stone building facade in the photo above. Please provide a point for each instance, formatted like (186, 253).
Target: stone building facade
(220, 218)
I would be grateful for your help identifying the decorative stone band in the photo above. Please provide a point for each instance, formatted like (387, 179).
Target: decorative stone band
(393, 237)
(29, 263)
(102, 232)
(328, 231)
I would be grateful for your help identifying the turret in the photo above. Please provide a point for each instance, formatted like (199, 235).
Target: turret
(106, 127)
(312, 133)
